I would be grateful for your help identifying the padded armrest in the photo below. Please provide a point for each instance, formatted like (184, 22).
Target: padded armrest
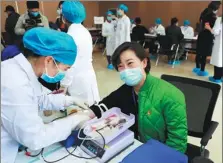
(207, 136)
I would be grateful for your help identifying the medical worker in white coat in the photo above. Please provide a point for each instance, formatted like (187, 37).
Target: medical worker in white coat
(187, 30)
(216, 57)
(49, 54)
(82, 75)
(158, 29)
(123, 28)
(108, 31)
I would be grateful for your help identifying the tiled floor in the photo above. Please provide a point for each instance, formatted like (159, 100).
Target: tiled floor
(109, 80)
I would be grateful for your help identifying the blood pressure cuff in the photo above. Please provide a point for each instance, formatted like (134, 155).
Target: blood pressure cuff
(155, 152)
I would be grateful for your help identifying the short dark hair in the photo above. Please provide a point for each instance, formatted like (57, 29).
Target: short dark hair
(9, 8)
(32, 4)
(133, 46)
(174, 21)
(138, 20)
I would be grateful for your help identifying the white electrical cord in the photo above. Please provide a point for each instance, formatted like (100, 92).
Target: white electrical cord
(100, 106)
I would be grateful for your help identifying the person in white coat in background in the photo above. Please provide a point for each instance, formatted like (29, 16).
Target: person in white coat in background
(187, 30)
(49, 54)
(80, 79)
(158, 29)
(123, 28)
(108, 31)
(216, 57)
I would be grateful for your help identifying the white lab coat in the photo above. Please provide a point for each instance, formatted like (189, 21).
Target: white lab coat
(216, 57)
(122, 33)
(132, 26)
(159, 29)
(84, 82)
(21, 99)
(187, 31)
(108, 31)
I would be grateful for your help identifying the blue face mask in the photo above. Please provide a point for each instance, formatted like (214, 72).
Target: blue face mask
(58, 77)
(131, 77)
(35, 14)
(109, 18)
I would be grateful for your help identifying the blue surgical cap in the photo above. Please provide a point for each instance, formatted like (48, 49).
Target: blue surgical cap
(186, 22)
(123, 7)
(109, 12)
(158, 21)
(48, 42)
(132, 21)
(74, 11)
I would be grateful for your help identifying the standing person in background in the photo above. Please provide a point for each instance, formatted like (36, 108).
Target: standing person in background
(61, 26)
(80, 79)
(216, 57)
(123, 26)
(10, 23)
(158, 29)
(205, 37)
(187, 30)
(108, 31)
(31, 19)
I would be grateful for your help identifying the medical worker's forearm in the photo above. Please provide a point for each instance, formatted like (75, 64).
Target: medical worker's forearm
(51, 102)
(54, 132)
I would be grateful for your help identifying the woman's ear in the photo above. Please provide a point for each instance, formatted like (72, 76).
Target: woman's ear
(144, 62)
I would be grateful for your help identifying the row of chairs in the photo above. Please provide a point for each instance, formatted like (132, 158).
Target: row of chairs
(201, 98)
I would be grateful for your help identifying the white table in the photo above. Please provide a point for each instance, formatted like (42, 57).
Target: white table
(185, 38)
(56, 152)
(94, 29)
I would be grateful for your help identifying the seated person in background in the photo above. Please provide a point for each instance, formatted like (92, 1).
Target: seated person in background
(139, 31)
(158, 28)
(158, 106)
(176, 36)
(60, 24)
(174, 31)
(187, 30)
(33, 18)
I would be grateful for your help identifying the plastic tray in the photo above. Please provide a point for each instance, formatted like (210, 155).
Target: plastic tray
(129, 118)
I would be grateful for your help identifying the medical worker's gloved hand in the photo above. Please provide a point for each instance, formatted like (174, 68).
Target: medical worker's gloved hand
(71, 100)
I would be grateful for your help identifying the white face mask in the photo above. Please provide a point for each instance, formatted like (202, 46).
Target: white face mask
(59, 11)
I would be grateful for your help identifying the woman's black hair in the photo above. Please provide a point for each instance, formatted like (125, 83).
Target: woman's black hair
(60, 3)
(214, 5)
(136, 48)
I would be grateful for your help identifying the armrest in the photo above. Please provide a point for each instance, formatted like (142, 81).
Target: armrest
(208, 134)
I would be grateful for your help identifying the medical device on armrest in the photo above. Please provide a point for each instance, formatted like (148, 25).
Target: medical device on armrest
(113, 126)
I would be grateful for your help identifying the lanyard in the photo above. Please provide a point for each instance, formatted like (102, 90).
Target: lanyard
(134, 97)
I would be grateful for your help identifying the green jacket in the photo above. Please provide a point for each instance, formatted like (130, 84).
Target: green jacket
(162, 113)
